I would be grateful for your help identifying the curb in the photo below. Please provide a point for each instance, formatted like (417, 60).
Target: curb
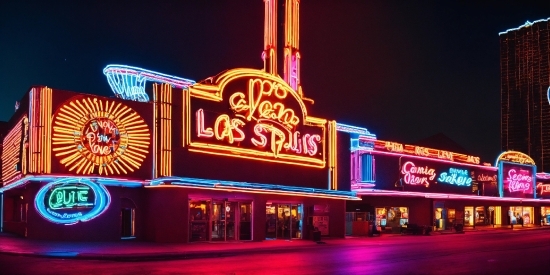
(159, 256)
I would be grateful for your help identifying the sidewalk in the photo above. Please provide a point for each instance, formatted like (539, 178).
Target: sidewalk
(133, 250)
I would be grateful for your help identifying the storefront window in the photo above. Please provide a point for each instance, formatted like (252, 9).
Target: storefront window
(480, 217)
(545, 215)
(392, 216)
(199, 215)
(521, 215)
(451, 215)
(284, 221)
(469, 216)
(219, 220)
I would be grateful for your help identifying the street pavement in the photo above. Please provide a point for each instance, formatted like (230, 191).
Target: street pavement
(134, 250)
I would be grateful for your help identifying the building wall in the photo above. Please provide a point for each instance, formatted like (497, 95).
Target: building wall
(105, 227)
(167, 212)
(166, 215)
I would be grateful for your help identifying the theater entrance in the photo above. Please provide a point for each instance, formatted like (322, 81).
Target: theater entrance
(284, 221)
(220, 220)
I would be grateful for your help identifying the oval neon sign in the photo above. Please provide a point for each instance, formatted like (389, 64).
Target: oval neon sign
(70, 200)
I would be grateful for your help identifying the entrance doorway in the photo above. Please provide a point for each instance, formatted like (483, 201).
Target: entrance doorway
(223, 221)
(127, 222)
(220, 220)
(284, 221)
(469, 216)
(127, 219)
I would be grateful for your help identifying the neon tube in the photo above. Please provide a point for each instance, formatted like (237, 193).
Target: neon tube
(354, 130)
(253, 187)
(527, 24)
(430, 159)
(128, 82)
(101, 180)
(102, 200)
(377, 192)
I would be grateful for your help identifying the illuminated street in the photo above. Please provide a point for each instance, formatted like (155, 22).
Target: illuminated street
(505, 252)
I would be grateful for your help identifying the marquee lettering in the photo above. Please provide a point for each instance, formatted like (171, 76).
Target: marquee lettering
(484, 177)
(445, 155)
(280, 138)
(274, 124)
(101, 136)
(69, 197)
(71, 200)
(456, 176)
(394, 147)
(421, 151)
(518, 182)
(544, 188)
(417, 175)
(260, 103)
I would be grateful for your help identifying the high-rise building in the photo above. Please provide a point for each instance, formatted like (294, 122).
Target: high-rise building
(525, 91)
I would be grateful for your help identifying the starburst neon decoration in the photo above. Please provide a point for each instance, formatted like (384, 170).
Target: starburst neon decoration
(97, 136)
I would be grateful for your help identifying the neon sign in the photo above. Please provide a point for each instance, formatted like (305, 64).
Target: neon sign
(544, 188)
(69, 197)
(14, 153)
(129, 82)
(69, 200)
(395, 147)
(460, 177)
(101, 136)
(91, 135)
(519, 180)
(486, 178)
(516, 157)
(268, 120)
(417, 175)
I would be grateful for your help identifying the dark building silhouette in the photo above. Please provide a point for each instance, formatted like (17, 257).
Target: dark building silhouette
(525, 88)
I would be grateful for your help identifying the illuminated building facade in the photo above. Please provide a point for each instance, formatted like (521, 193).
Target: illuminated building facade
(400, 183)
(525, 88)
(236, 156)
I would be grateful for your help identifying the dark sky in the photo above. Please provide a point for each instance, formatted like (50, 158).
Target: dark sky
(405, 70)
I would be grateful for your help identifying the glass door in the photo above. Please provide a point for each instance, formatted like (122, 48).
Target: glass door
(283, 218)
(230, 225)
(199, 214)
(245, 224)
(296, 221)
(284, 221)
(271, 221)
(469, 216)
(218, 221)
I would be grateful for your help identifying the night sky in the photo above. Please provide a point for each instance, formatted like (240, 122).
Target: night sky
(403, 70)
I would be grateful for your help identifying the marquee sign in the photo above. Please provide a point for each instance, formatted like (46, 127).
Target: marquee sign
(516, 157)
(99, 136)
(69, 200)
(517, 180)
(435, 176)
(413, 150)
(248, 113)
(417, 175)
(543, 189)
(517, 175)
(456, 176)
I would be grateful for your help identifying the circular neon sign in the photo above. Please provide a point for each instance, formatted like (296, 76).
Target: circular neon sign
(101, 136)
(69, 200)
(97, 136)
